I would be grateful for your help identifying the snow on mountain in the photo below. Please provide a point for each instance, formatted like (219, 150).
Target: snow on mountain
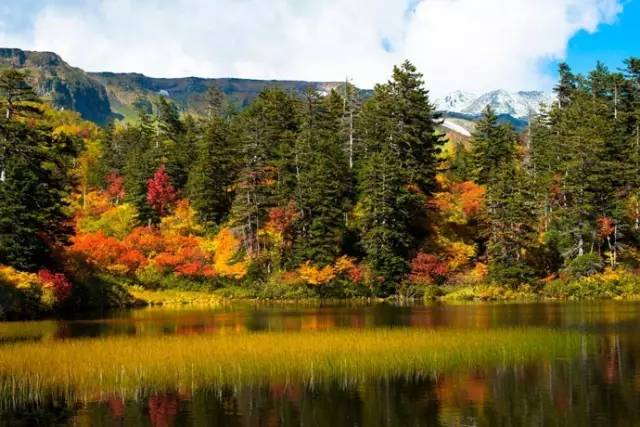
(517, 104)
(455, 101)
(456, 128)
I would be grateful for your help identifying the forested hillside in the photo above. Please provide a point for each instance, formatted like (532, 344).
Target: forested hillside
(103, 97)
(326, 195)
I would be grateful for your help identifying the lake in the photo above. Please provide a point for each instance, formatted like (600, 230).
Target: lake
(497, 365)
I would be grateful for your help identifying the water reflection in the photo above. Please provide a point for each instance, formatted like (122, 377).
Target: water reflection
(623, 317)
(600, 387)
(559, 393)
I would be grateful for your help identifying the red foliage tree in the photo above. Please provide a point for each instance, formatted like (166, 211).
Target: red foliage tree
(428, 269)
(160, 192)
(115, 187)
(58, 282)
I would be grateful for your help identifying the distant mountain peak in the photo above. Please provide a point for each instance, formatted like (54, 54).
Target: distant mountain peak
(456, 101)
(521, 105)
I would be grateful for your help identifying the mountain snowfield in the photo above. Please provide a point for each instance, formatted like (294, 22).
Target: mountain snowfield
(521, 105)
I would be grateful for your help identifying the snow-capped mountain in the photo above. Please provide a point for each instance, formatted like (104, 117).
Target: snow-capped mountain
(456, 101)
(520, 105)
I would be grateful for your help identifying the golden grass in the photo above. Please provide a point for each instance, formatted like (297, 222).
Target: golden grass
(175, 298)
(85, 369)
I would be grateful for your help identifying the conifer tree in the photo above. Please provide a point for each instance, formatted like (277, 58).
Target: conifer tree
(415, 126)
(16, 94)
(566, 86)
(270, 165)
(213, 171)
(509, 200)
(321, 191)
(141, 161)
(176, 149)
(401, 145)
(34, 180)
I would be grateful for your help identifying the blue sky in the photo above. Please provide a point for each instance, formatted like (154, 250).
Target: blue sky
(611, 44)
(471, 45)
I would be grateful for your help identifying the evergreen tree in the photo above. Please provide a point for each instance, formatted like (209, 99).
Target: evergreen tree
(414, 132)
(16, 94)
(509, 200)
(214, 170)
(142, 159)
(321, 191)
(270, 164)
(385, 203)
(174, 146)
(566, 86)
(399, 167)
(34, 183)
(492, 147)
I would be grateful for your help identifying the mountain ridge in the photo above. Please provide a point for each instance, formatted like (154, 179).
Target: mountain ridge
(519, 105)
(105, 96)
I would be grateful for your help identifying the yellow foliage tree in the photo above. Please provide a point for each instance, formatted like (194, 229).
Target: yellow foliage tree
(116, 222)
(183, 221)
(225, 247)
(316, 276)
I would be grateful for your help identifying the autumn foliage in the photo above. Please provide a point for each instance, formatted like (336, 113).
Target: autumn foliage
(160, 192)
(115, 187)
(58, 283)
(344, 267)
(427, 269)
(45, 288)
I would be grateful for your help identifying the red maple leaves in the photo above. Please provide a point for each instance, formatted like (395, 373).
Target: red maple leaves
(160, 192)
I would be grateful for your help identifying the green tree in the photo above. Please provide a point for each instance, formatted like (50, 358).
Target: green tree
(323, 184)
(35, 181)
(269, 168)
(141, 160)
(214, 170)
(414, 131)
(396, 173)
(566, 86)
(16, 94)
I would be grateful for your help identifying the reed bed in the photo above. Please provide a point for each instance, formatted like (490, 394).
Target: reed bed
(88, 369)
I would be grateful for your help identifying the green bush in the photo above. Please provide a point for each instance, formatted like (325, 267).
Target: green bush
(584, 265)
(512, 275)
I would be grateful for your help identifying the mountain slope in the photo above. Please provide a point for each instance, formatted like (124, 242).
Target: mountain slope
(65, 86)
(189, 93)
(102, 97)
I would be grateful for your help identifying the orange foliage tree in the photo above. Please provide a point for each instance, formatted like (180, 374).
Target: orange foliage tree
(226, 247)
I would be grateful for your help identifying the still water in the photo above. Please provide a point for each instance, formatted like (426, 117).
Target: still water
(599, 387)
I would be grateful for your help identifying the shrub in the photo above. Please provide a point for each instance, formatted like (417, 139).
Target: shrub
(57, 283)
(584, 265)
(607, 285)
(427, 269)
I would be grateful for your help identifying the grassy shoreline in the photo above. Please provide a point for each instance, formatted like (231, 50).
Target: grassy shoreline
(478, 293)
(109, 292)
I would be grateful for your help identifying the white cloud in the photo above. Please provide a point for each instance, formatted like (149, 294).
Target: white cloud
(458, 44)
(481, 45)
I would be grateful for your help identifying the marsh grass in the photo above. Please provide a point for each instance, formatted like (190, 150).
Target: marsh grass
(174, 298)
(89, 369)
